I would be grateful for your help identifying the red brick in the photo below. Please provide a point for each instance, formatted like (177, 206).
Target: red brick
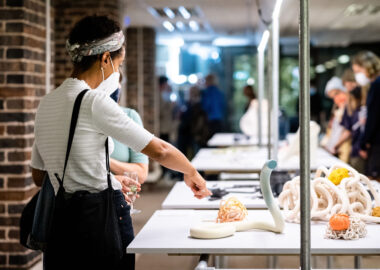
(19, 156)
(19, 182)
(14, 169)
(22, 104)
(2, 234)
(23, 259)
(19, 143)
(16, 208)
(17, 117)
(17, 91)
(18, 130)
(16, 196)
(12, 247)
(14, 234)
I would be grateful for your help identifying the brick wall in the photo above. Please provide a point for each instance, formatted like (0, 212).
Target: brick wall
(68, 12)
(141, 90)
(22, 83)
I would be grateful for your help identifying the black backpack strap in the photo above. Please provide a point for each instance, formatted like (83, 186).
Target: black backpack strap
(73, 124)
(108, 166)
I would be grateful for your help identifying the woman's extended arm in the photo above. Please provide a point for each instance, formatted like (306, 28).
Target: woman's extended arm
(170, 157)
(118, 168)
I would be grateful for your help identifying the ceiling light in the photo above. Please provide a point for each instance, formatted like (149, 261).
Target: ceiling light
(264, 41)
(331, 64)
(343, 59)
(168, 25)
(180, 25)
(277, 9)
(193, 78)
(354, 9)
(185, 14)
(320, 69)
(153, 12)
(215, 55)
(231, 41)
(169, 12)
(194, 26)
(251, 81)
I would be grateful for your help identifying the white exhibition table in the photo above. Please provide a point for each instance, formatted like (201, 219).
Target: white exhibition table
(235, 139)
(167, 232)
(251, 159)
(181, 197)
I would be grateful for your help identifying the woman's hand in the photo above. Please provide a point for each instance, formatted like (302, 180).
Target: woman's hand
(197, 184)
(126, 184)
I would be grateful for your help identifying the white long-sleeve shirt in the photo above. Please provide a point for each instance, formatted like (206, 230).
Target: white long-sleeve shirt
(99, 117)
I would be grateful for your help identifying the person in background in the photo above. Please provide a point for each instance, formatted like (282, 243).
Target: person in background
(336, 91)
(123, 158)
(315, 102)
(192, 130)
(249, 93)
(166, 108)
(214, 104)
(366, 66)
(353, 119)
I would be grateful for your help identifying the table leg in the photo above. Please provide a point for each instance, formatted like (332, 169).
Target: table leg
(358, 262)
(272, 262)
(330, 262)
(314, 262)
(220, 261)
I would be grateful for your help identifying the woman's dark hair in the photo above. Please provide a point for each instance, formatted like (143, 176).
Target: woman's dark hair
(249, 92)
(89, 29)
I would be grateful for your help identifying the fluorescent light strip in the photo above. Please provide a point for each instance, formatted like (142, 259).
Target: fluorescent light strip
(264, 41)
(180, 25)
(153, 12)
(194, 26)
(169, 12)
(276, 10)
(168, 25)
(185, 14)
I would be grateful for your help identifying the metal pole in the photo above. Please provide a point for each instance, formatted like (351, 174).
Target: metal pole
(260, 68)
(304, 101)
(275, 83)
(269, 96)
(48, 48)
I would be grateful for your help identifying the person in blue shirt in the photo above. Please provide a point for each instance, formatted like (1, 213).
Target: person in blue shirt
(214, 104)
(366, 66)
(124, 159)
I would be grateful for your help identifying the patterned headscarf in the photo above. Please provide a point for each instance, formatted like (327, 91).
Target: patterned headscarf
(109, 44)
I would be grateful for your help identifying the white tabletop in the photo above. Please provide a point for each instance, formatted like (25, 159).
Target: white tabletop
(251, 159)
(234, 139)
(167, 232)
(181, 197)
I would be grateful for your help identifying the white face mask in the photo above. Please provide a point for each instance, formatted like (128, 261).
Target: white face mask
(110, 84)
(362, 79)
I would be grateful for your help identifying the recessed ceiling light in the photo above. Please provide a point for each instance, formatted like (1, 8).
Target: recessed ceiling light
(343, 59)
(194, 26)
(168, 25)
(320, 69)
(180, 25)
(185, 14)
(169, 12)
(153, 12)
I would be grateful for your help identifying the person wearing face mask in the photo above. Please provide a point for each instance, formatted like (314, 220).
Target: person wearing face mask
(353, 120)
(96, 48)
(336, 91)
(366, 66)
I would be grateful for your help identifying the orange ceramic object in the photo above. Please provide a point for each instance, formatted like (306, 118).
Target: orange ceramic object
(339, 222)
